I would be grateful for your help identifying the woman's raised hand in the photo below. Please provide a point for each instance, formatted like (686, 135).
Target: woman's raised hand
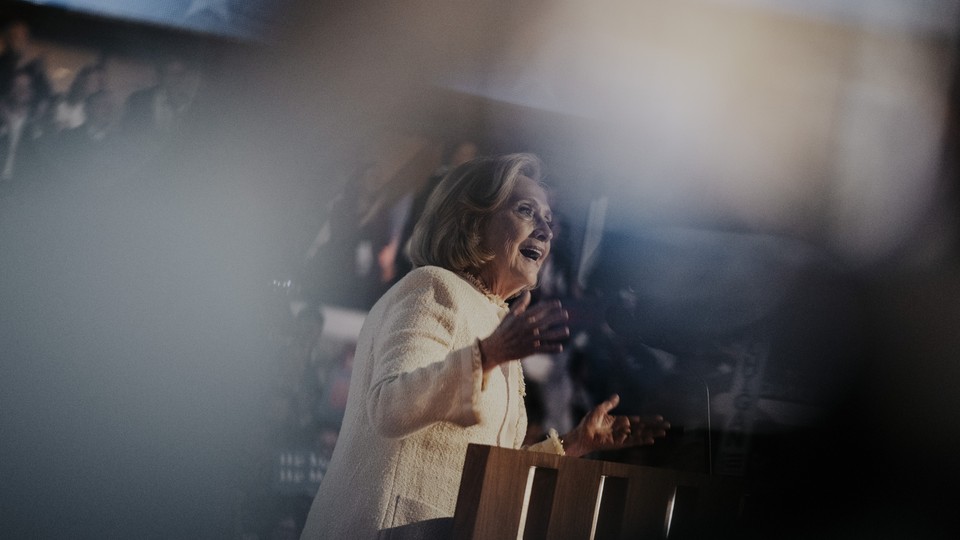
(539, 329)
(599, 430)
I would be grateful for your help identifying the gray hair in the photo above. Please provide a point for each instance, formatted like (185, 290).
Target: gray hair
(450, 231)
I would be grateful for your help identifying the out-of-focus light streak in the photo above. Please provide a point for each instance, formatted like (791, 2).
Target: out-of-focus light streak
(820, 120)
(939, 16)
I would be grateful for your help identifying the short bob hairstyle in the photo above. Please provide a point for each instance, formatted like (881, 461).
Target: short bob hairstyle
(450, 231)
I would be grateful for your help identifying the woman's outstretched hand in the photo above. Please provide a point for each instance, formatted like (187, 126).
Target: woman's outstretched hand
(539, 329)
(599, 430)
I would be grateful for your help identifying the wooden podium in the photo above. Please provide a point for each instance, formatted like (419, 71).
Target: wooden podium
(513, 494)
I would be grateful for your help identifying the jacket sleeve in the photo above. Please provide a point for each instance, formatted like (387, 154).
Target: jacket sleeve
(419, 378)
(552, 445)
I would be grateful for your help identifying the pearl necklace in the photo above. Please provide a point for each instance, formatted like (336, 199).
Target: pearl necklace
(480, 286)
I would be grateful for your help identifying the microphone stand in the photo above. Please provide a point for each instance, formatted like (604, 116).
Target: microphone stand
(706, 390)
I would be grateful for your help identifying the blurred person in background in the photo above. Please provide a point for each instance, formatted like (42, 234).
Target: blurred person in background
(340, 268)
(437, 361)
(21, 56)
(157, 111)
(70, 109)
(454, 156)
(20, 131)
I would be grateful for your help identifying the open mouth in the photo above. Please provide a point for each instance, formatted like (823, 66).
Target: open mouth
(532, 253)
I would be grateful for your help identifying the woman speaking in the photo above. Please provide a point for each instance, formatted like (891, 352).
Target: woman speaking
(437, 363)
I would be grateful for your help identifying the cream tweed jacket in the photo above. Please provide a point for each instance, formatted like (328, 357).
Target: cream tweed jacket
(417, 398)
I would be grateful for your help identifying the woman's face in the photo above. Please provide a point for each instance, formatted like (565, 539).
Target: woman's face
(519, 237)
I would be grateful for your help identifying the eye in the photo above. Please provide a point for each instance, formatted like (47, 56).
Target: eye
(525, 210)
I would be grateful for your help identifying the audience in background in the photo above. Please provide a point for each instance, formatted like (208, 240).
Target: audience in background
(80, 138)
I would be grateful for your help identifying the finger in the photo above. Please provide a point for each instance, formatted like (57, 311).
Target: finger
(549, 347)
(521, 304)
(640, 438)
(553, 334)
(657, 422)
(554, 318)
(539, 312)
(621, 426)
(608, 405)
(653, 432)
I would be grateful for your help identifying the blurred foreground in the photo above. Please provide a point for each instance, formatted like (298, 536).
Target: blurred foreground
(758, 202)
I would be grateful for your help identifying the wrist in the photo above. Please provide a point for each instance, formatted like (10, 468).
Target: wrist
(572, 444)
(478, 361)
(483, 348)
(486, 362)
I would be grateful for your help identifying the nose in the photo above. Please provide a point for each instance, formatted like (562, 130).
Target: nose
(543, 232)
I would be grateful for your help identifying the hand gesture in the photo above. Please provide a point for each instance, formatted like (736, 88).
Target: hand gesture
(599, 430)
(539, 329)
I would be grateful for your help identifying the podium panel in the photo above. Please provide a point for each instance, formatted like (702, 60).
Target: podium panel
(515, 494)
